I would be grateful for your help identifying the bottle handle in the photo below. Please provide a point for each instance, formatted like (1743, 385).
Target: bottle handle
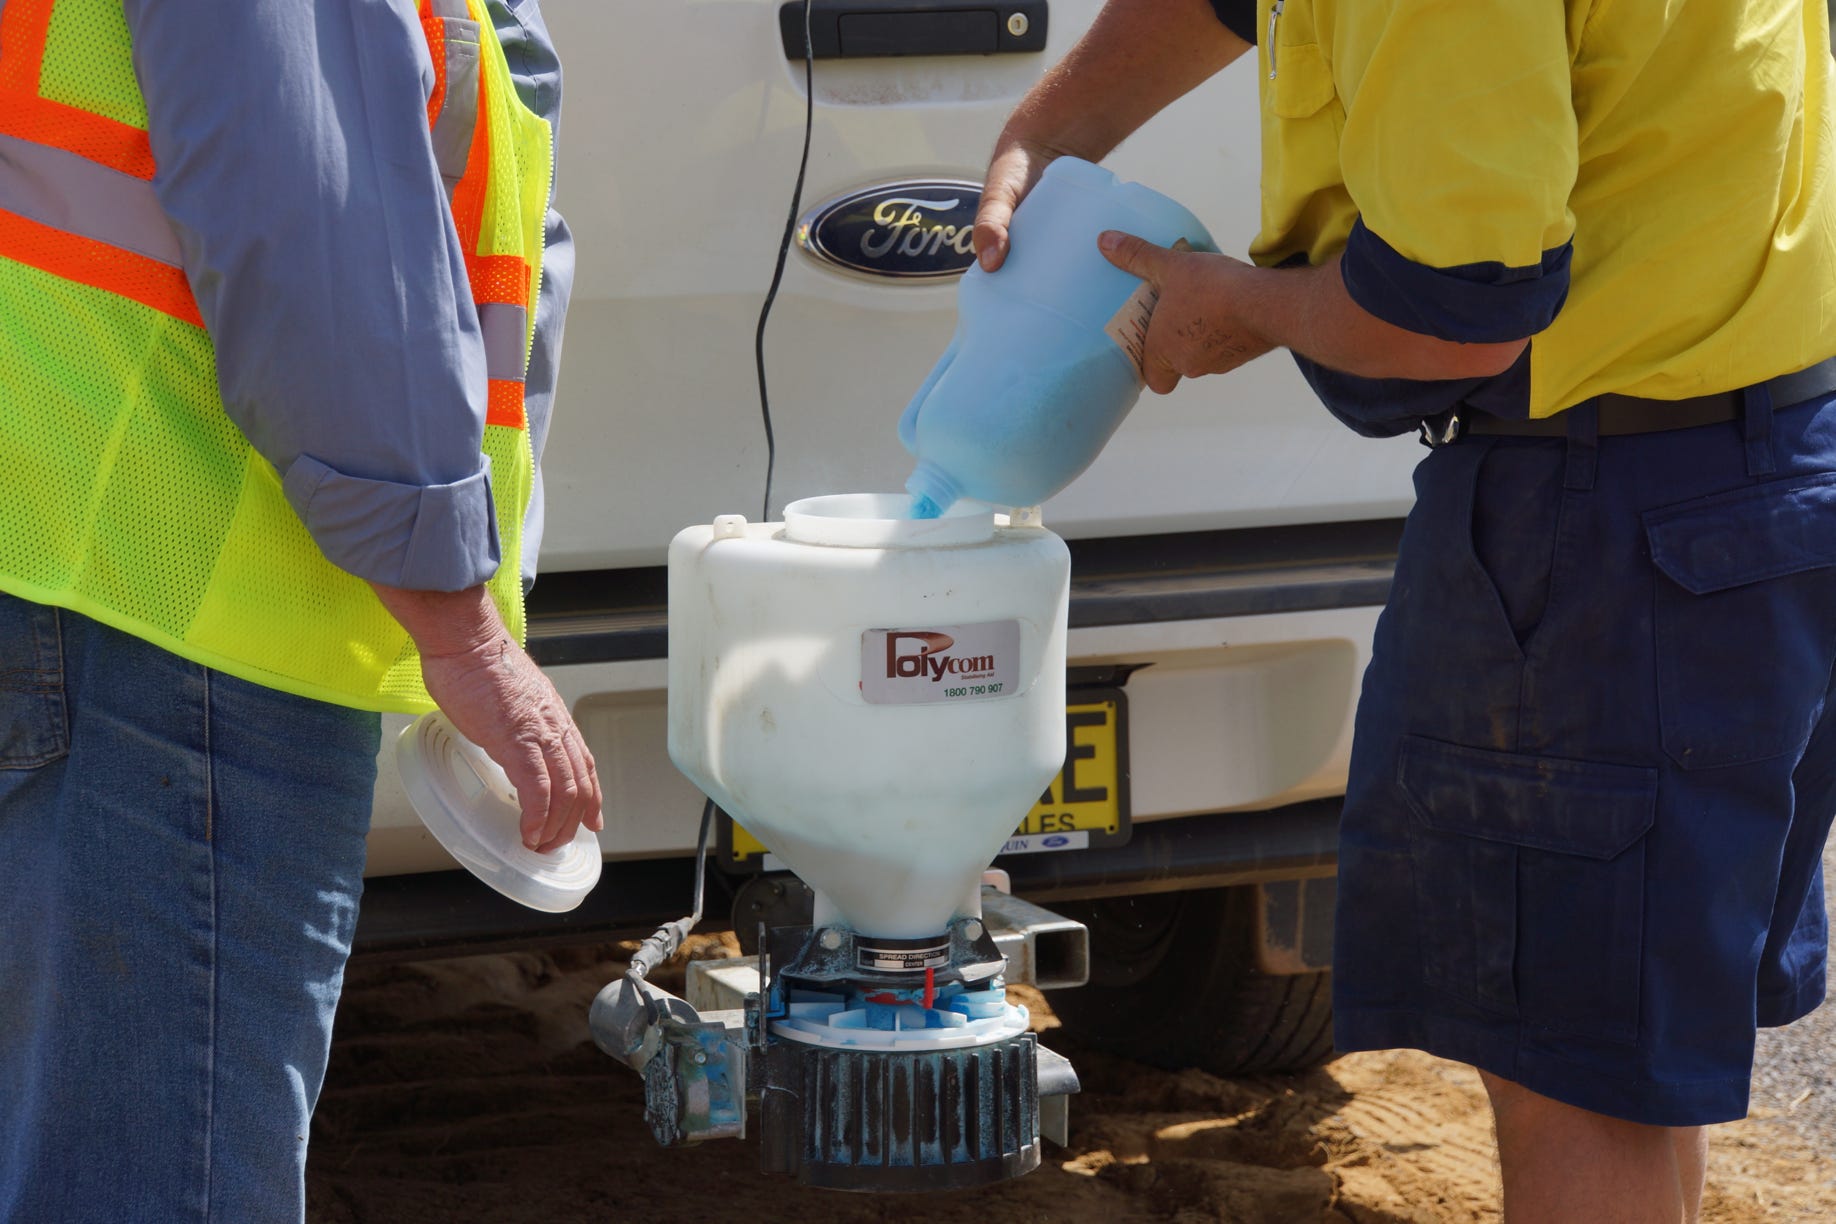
(908, 420)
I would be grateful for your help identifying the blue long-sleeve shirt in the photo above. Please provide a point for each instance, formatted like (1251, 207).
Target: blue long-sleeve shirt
(297, 169)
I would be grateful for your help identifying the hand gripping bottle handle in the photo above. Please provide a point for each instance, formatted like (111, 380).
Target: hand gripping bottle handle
(1045, 362)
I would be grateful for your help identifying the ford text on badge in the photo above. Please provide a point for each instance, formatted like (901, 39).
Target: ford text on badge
(915, 229)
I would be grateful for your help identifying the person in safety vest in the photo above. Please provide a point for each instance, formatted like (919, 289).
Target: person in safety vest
(281, 296)
(1588, 252)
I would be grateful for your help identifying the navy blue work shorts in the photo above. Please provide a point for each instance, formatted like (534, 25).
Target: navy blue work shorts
(1595, 763)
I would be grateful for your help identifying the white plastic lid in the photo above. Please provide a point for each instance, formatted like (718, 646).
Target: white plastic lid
(468, 804)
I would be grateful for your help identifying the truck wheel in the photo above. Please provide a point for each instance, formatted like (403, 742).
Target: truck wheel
(1173, 982)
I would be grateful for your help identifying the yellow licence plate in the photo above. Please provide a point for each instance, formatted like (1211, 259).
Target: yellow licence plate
(1086, 805)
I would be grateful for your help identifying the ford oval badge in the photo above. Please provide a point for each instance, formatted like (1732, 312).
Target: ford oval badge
(915, 229)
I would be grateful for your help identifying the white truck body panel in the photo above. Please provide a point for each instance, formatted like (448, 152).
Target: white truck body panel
(678, 149)
(676, 172)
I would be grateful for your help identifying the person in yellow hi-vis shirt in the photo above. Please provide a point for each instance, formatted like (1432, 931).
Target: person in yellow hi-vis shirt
(280, 306)
(1588, 251)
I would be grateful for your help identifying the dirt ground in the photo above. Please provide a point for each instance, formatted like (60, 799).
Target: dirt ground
(468, 1090)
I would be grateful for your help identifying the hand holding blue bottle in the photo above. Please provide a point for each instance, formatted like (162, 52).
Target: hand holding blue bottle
(1012, 174)
(1047, 356)
(1202, 320)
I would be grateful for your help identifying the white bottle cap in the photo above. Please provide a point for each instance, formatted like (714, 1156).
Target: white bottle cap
(468, 804)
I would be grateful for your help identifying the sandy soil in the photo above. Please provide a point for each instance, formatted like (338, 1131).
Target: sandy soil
(468, 1090)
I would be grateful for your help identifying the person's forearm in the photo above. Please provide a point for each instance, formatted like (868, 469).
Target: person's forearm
(445, 623)
(1137, 57)
(1215, 313)
(1310, 311)
(493, 694)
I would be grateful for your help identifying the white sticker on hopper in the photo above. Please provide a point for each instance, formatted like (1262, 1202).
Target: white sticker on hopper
(940, 663)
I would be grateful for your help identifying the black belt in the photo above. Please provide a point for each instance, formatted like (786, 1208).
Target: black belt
(1631, 414)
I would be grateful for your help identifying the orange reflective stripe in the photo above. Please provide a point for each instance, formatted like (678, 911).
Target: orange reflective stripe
(455, 128)
(108, 141)
(498, 278)
(494, 278)
(24, 26)
(99, 265)
(504, 403)
(435, 30)
(469, 195)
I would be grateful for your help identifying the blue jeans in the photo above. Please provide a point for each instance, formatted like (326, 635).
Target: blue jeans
(181, 856)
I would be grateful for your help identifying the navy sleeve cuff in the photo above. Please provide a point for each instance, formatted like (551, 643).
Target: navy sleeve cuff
(1476, 303)
(1239, 17)
(417, 537)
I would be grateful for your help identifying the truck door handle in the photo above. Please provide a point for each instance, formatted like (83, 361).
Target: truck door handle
(849, 29)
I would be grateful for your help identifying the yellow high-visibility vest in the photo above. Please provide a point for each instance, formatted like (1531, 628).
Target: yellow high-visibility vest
(128, 493)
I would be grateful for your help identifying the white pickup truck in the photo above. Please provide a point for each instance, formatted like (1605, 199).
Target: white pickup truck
(1230, 548)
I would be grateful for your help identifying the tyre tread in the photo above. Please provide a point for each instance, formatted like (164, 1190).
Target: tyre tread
(1214, 1010)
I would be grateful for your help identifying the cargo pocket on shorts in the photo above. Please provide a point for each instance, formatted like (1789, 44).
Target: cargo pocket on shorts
(1530, 883)
(34, 728)
(1745, 619)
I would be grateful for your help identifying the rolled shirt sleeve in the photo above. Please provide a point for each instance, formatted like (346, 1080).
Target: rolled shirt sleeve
(1460, 151)
(297, 170)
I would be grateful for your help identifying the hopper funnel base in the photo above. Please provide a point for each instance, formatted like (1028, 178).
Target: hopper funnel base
(866, 1077)
(880, 1079)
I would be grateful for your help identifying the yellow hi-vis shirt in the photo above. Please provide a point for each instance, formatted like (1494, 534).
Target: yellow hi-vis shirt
(1643, 187)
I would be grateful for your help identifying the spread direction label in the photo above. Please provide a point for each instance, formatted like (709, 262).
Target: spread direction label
(940, 663)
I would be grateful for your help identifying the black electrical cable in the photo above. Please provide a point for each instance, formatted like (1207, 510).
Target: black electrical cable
(777, 275)
(701, 860)
(666, 939)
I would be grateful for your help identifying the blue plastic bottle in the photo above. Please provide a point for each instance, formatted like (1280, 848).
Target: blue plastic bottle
(1046, 359)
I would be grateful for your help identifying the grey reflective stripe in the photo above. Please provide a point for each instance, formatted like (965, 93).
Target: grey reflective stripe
(452, 128)
(70, 193)
(449, 8)
(506, 339)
